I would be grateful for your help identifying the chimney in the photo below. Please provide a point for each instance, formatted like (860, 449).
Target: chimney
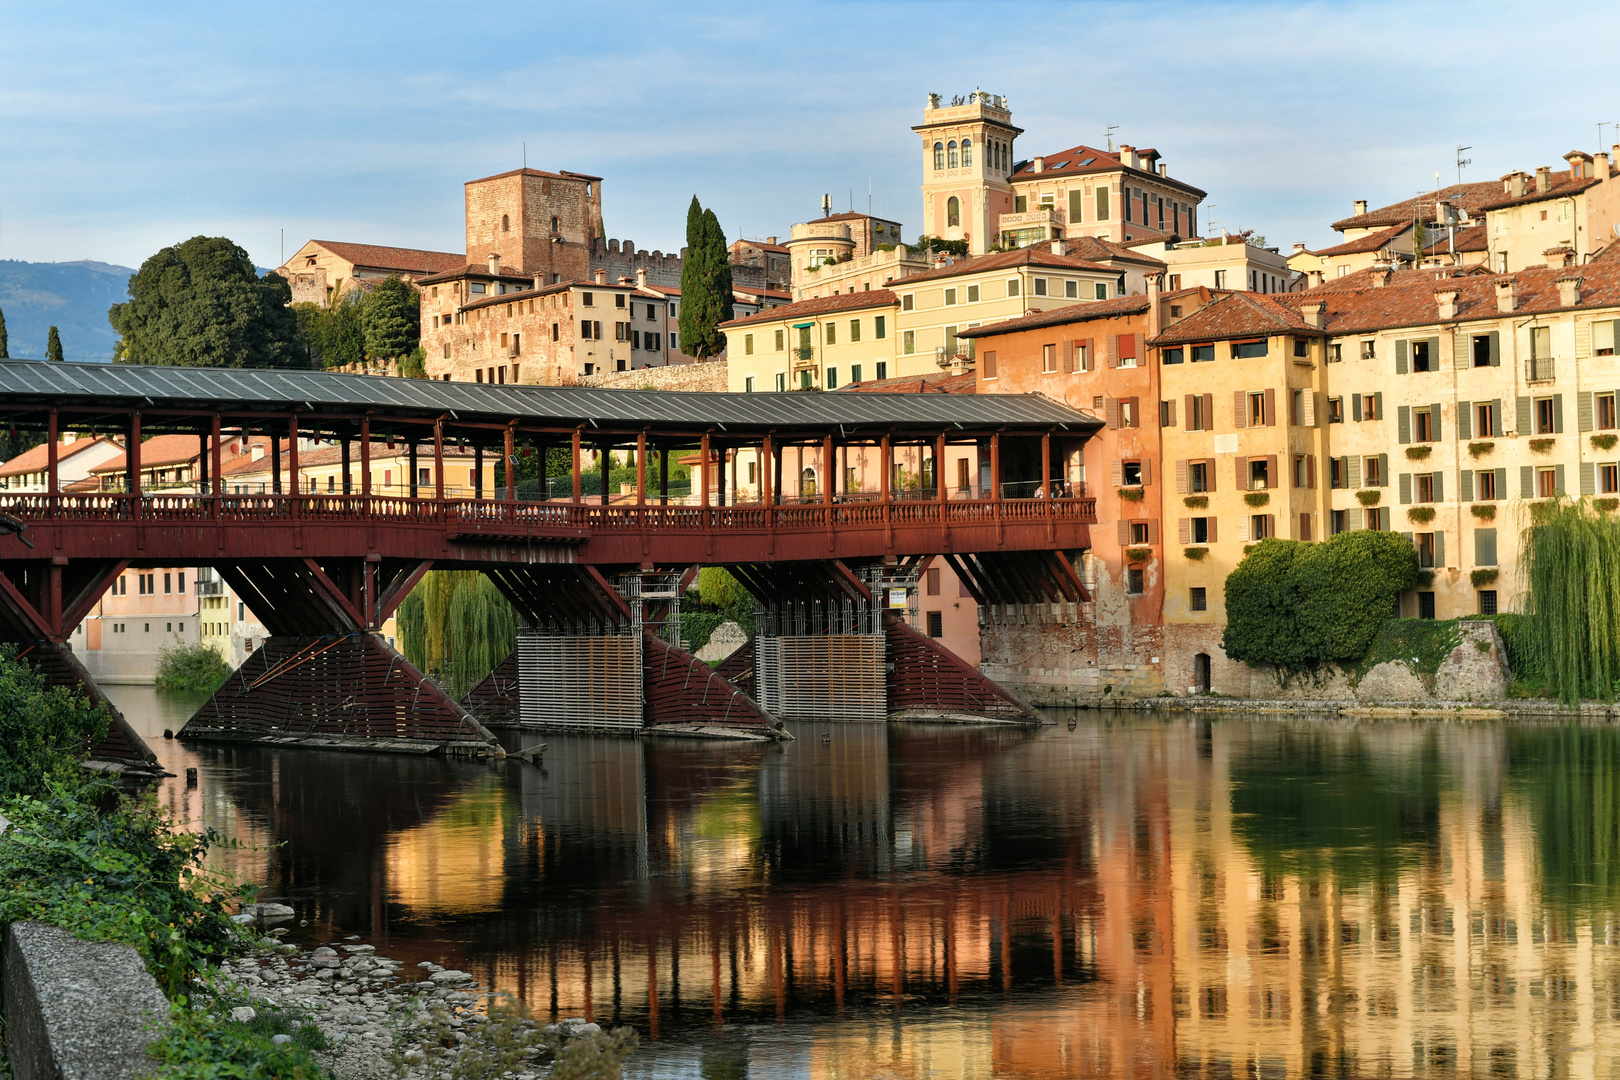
(1569, 290)
(537, 283)
(1544, 178)
(641, 278)
(1038, 165)
(1057, 247)
(1161, 169)
(494, 265)
(1315, 314)
(1446, 302)
(1299, 246)
(601, 275)
(770, 239)
(1600, 166)
(1127, 155)
(1380, 275)
(1155, 283)
(1559, 257)
(1513, 184)
(1507, 295)
(1361, 207)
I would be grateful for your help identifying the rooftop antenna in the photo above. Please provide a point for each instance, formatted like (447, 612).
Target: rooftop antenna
(1111, 129)
(1461, 161)
(869, 188)
(826, 205)
(525, 155)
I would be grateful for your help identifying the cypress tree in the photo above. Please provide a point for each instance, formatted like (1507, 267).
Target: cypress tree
(721, 270)
(5, 353)
(53, 347)
(705, 284)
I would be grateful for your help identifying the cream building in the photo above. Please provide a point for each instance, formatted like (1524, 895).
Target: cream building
(1224, 262)
(322, 271)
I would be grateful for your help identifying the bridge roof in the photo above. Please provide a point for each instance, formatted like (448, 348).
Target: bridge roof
(34, 384)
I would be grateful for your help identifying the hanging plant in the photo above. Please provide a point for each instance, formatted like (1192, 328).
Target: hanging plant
(1418, 453)
(1138, 554)
(1604, 442)
(1481, 578)
(1542, 446)
(1420, 515)
(1196, 554)
(1425, 579)
(1483, 511)
(1606, 505)
(1370, 497)
(1131, 494)
(1257, 498)
(1480, 449)
(1196, 502)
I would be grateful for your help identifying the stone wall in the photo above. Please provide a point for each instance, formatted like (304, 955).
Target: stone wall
(621, 258)
(708, 377)
(1057, 655)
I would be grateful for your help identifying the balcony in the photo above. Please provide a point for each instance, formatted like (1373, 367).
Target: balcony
(211, 588)
(804, 353)
(1538, 369)
(1047, 216)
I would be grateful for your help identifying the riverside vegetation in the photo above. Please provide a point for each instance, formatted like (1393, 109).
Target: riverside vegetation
(107, 865)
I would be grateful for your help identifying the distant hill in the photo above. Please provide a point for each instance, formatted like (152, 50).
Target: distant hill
(71, 296)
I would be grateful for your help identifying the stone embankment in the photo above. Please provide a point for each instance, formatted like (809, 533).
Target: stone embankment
(709, 377)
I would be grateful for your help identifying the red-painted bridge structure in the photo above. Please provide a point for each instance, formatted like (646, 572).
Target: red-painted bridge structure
(324, 570)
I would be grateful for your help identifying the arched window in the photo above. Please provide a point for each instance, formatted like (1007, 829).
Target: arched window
(967, 153)
(506, 223)
(951, 147)
(556, 226)
(953, 211)
(939, 156)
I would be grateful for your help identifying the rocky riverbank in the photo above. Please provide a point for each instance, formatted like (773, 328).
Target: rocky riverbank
(381, 1018)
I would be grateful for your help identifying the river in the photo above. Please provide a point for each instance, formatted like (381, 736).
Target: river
(1115, 895)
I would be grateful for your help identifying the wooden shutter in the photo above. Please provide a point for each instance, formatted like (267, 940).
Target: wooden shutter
(1181, 477)
(1558, 480)
(1192, 413)
(1086, 362)
(1355, 407)
(1273, 477)
(1439, 487)
(1484, 547)
(1270, 407)
(1210, 522)
(1558, 414)
(1068, 358)
(1240, 473)
(1523, 416)
(1310, 408)
(1209, 473)
(1588, 476)
(1111, 411)
(1352, 471)
(1527, 481)
(1434, 422)
(1184, 530)
(1240, 409)
(1304, 525)
(1400, 357)
(1147, 472)
(990, 364)
(1124, 532)
(1169, 412)
(1501, 483)
(1118, 473)
(1110, 354)
(1353, 518)
(1465, 420)
(1434, 354)
(1243, 528)
(1153, 530)
(1465, 485)
(1136, 346)
(1496, 349)
(1209, 412)
(1378, 406)
(1271, 524)
(1310, 470)
(1403, 424)
(1406, 488)
(1383, 470)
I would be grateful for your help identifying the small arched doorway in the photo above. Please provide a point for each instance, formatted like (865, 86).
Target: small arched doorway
(1201, 673)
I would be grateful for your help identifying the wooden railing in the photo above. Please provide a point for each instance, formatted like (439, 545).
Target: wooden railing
(471, 516)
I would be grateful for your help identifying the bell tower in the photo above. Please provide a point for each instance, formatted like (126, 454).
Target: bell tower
(967, 156)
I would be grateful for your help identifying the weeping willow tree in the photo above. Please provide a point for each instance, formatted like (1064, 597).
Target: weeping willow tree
(455, 624)
(1571, 567)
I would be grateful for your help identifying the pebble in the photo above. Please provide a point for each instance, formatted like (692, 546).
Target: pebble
(243, 1013)
(281, 1040)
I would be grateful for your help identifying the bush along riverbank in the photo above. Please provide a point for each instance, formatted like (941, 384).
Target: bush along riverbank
(107, 865)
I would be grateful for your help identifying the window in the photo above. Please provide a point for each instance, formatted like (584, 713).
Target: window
(1301, 347)
(829, 333)
(1040, 286)
(1546, 482)
(1220, 279)
(1198, 530)
(1421, 360)
(781, 340)
(1260, 526)
(1487, 601)
(1425, 605)
(1603, 338)
(1480, 349)
(939, 157)
(1170, 356)
(1541, 366)
(1131, 475)
(1203, 354)
(950, 297)
(854, 373)
(781, 381)
(1369, 350)
(1012, 286)
(1257, 410)
(882, 369)
(1604, 410)
(880, 327)
(1375, 518)
(1198, 476)
(1485, 420)
(1372, 470)
(1338, 521)
(936, 624)
(953, 210)
(1048, 359)
(950, 155)
(1259, 474)
(1425, 487)
(506, 223)
(587, 299)
(1071, 290)
(1335, 354)
(1372, 406)
(967, 152)
(1197, 599)
(1133, 582)
(1335, 410)
(1546, 416)
(1101, 291)
(1245, 350)
(1423, 425)
(748, 344)
(973, 294)
(832, 378)
(1608, 478)
(1485, 484)
(908, 302)
(1127, 413)
(1102, 204)
(748, 385)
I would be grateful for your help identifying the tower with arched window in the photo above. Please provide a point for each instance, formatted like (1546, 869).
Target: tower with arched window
(539, 223)
(967, 146)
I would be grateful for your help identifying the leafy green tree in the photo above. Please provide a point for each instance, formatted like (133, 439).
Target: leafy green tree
(5, 353)
(330, 337)
(44, 732)
(201, 303)
(53, 346)
(414, 366)
(391, 317)
(705, 284)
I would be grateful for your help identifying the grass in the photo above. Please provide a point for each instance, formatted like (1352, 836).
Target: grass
(1422, 645)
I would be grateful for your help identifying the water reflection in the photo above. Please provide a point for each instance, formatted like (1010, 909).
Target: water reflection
(1290, 897)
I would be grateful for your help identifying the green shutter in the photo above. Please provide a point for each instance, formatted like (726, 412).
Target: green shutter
(1558, 480)
(1403, 424)
(1439, 487)
(1353, 518)
(1465, 486)
(1583, 411)
(1352, 471)
(1465, 420)
(1588, 476)
(1558, 414)
(1434, 422)
(1378, 405)
(1406, 488)
(1383, 470)
(1501, 483)
(1355, 407)
(1077, 206)
(1527, 481)
(1523, 415)
(1496, 349)
(1496, 417)
(1400, 357)
(1434, 355)
(1484, 547)
(1439, 548)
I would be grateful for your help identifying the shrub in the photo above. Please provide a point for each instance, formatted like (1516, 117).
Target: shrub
(1131, 494)
(1418, 453)
(44, 732)
(1138, 554)
(1257, 498)
(197, 668)
(1297, 605)
(1605, 441)
(206, 1044)
(1196, 554)
(1480, 449)
(1483, 511)
(1196, 502)
(1369, 497)
(1542, 446)
(1420, 515)
(1606, 506)
(1481, 578)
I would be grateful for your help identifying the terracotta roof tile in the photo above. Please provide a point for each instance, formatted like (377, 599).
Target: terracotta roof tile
(935, 382)
(404, 260)
(821, 305)
(1371, 242)
(1238, 315)
(1030, 256)
(561, 175)
(1471, 197)
(37, 459)
(1096, 249)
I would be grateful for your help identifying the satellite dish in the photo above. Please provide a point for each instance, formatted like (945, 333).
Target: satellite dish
(1616, 228)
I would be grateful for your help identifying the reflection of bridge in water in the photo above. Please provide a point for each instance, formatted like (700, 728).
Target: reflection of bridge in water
(1145, 898)
(322, 571)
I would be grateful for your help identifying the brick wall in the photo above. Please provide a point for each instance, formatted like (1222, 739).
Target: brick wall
(482, 342)
(512, 215)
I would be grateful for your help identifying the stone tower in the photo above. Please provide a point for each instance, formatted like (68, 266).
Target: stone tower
(537, 222)
(967, 155)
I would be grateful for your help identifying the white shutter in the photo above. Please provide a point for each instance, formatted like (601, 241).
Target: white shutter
(1310, 408)
(1243, 528)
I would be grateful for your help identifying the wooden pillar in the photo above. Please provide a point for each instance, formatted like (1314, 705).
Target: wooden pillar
(663, 475)
(132, 460)
(292, 460)
(777, 457)
(410, 465)
(275, 462)
(576, 466)
(218, 466)
(604, 468)
(509, 449)
(995, 466)
(348, 482)
(1046, 464)
(641, 468)
(438, 459)
(478, 471)
(53, 485)
(886, 465)
(202, 464)
(703, 456)
(940, 491)
(828, 467)
(720, 475)
(365, 456)
(767, 455)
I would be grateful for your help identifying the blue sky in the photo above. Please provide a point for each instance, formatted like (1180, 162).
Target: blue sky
(127, 127)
